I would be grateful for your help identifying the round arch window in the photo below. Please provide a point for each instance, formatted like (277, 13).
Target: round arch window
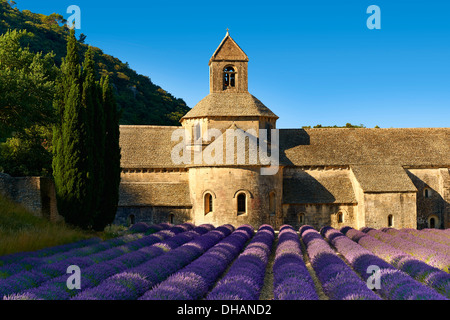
(433, 222)
(208, 203)
(241, 203)
(229, 77)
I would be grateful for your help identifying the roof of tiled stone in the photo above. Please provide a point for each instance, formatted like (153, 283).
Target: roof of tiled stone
(147, 146)
(310, 187)
(229, 104)
(383, 178)
(342, 146)
(151, 146)
(228, 49)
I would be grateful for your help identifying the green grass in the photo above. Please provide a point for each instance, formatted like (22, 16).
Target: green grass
(21, 231)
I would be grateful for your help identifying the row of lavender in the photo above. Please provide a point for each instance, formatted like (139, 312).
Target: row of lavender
(188, 262)
(92, 258)
(399, 256)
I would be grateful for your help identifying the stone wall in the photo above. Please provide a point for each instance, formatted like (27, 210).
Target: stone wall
(435, 201)
(401, 205)
(37, 194)
(225, 184)
(152, 215)
(319, 215)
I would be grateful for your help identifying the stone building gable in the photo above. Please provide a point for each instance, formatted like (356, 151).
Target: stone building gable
(229, 50)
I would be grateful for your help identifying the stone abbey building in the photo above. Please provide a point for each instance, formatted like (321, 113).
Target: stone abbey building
(327, 176)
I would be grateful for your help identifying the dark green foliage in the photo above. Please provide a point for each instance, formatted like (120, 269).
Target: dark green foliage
(87, 155)
(26, 85)
(28, 153)
(111, 163)
(71, 162)
(139, 100)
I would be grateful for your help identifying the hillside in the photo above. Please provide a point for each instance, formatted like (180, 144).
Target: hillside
(139, 99)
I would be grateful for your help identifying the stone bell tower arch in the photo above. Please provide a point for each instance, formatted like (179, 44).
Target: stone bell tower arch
(228, 68)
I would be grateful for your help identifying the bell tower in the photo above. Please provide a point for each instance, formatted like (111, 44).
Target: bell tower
(228, 68)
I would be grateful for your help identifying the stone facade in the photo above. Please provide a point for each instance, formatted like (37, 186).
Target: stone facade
(337, 177)
(328, 176)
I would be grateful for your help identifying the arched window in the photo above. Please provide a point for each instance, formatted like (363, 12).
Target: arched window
(427, 193)
(171, 218)
(301, 218)
(432, 223)
(340, 217)
(241, 203)
(208, 203)
(272, 203)
(229, 77)
(390, 221)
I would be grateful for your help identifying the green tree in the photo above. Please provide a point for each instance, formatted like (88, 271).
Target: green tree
(28, 153)
(26, 85)
(71, 167)
(110, 195)
(95, 124)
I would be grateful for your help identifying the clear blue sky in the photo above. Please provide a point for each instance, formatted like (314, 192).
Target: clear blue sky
(311, 62)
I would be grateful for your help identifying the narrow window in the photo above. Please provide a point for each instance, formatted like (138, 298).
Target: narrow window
(390, 220)
(427, 193)
(432, 223)
(340, 217)
(241, 203)
(269, 132)
(301, 218)
(171, 218)
(272, 203)
(208, 203)
(229, 78)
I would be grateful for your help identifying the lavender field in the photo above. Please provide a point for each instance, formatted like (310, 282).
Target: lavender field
(188, 262)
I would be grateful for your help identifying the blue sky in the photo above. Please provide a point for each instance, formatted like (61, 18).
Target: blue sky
(311, 62)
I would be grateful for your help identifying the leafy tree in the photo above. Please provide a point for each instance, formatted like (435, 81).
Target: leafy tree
(28, 153)
(26, 85)
(138, 98)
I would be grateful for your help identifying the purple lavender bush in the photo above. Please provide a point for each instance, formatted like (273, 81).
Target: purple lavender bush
(18, 256)
(339, 281)
(245, 278)
(292, 280)
(393, 237)
(195, 280)
(156, 269)
(394, 284)
(420, 271)
(48, 287)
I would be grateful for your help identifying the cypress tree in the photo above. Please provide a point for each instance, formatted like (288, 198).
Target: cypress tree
(95, 138)
(86, 162)
(110, 196)
(71, 168)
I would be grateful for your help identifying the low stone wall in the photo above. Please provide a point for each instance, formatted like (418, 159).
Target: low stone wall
(152, 215)
(37, 194)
